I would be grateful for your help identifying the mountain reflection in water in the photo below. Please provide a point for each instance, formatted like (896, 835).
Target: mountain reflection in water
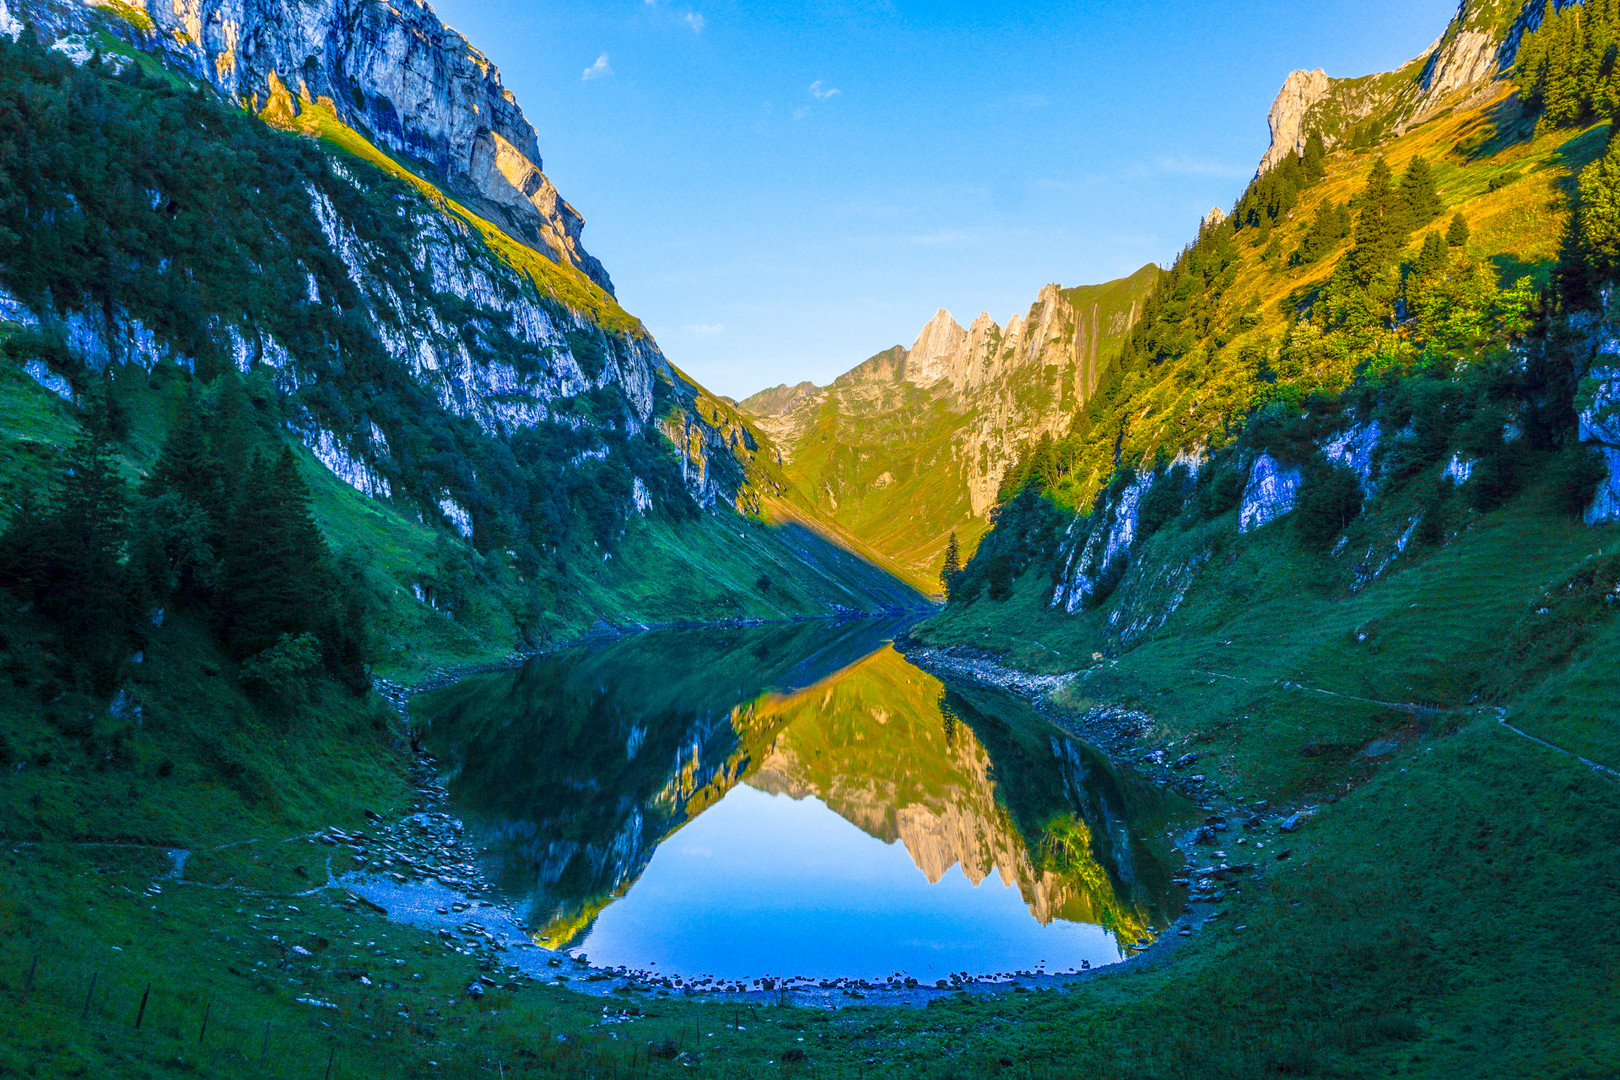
(797, 763)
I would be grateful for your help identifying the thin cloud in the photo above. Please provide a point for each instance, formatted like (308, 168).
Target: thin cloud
(705, 329)
(693, 19)
(598, 70)
(822, 93)
(801, 112)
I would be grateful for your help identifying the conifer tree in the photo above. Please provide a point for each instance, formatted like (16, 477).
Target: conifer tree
(1457, 235)
(232, 441)
(184, 465)
(1597, 229)
(953, 566)
(1419, 201)
(276, 562)
(1432, 258)
(1314, 162)
(67, 556)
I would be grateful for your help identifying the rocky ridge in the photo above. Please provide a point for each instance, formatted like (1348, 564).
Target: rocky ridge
(1477, 48)
(938, 425)
(396, 73)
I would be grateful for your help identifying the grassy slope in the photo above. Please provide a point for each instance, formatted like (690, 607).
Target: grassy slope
(1458, 875)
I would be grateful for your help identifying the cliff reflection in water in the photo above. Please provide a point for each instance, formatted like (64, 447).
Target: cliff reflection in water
(571, 770)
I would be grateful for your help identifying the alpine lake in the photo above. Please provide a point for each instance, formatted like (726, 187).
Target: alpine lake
(791, 806)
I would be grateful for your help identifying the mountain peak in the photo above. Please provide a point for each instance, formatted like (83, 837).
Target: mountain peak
(939, 342)
(1300, 91)
(1478, 46)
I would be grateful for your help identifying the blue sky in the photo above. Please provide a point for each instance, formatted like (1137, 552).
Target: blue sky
(781, 191)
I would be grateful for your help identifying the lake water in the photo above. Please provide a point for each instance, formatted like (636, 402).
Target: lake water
(796, 801)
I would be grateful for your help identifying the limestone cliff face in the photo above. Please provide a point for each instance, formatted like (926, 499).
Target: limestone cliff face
(1477, 48)
(913, 444)
(1302, 90)
(393, 71)
(477, 328)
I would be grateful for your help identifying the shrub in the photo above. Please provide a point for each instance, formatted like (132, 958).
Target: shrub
(1496, 479)
(282, 673)
(1329, 499)
(1575, 476)
(1223, 490)
(1162, 502)
(1107, 582)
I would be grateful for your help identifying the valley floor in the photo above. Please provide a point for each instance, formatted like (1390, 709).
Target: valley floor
(1447, 905)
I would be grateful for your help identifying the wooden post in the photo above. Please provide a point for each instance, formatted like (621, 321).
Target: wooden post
(85, 1013)
(204, 1032)
(330, 1054)
(140, 1014)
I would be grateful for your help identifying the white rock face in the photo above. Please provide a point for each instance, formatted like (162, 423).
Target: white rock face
(1085, 565)
(458, 515)
(49, 379)
(1459, 469)
(1605, 508)
(9, 25)
(13, 310)
(332, 453)
(1469, 58)
(1600, 427)
(1355, 448)
(1300, 91)
(1271, 493)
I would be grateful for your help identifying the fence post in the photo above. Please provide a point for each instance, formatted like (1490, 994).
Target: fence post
(85, 1013)
(330, 1054)
(204, 1032)
(140, 1014)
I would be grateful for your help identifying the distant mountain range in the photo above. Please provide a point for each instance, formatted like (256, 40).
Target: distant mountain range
(912, 445)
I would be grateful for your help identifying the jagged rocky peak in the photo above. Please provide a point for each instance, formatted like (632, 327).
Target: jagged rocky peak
(1215, 218)
(938, 346)
(395, 72)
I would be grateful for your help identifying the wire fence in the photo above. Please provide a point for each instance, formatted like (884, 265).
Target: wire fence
(66, 1009)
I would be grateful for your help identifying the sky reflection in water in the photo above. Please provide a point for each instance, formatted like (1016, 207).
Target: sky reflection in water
(764, 884)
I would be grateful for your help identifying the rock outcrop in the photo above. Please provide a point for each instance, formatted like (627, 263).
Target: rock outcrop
(471, 327)
(1478, 46)
(1270, 494)
(394, 72)
(1301, 91)
(1600, 429)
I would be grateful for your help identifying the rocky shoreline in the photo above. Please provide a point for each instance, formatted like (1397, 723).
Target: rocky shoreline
(422, 870)
(1209, 873)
